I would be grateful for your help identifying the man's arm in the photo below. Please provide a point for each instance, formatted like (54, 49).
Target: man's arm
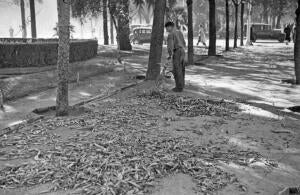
(170, 45)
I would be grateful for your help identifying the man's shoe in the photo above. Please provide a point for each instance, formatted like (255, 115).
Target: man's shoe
(176, 90)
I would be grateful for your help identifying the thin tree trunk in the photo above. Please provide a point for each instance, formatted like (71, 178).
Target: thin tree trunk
(242, 24)
(24, 30)
(112, 37)
(157, 38)
(212, 28)
(190, 32)
(62, 103)
(297, 45)
(274, 21)
(33, 21)
(227, 25)
(105, 27)
(236, 6)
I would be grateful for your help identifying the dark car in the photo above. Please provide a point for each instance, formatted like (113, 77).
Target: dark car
(265, 31)
(141, 35)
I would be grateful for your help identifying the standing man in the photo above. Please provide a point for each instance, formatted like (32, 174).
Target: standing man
(176, 46)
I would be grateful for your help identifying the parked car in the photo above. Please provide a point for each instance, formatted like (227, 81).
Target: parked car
(265, 31)
(134, 26)
(141, 35)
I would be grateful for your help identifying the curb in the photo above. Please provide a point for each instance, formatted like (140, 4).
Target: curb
(37, 111)
(13, 128)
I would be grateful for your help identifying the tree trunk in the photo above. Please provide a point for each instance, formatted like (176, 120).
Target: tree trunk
(242, 24)
(278, 23)
(112, 37)
(190, 32)
(123, 27)
(33, 21)
(265, 12)
(227, 25)
(157, 38)
(236, 6)
(274, 21)
(249, 14)
(212, 28)
(279, 15)
(105, 27)
(24, 31)
(62, 103)
(297, 46)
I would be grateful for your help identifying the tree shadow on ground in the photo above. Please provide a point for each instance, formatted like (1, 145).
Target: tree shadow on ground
(252, 73)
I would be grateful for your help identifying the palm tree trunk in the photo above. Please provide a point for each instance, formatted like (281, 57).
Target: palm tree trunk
(62, 103)
(227, 25)
(24, 31)
(33, 21)
(157, 38)
(105, 27)
(212, 28)
(123, 27)
(242, 24)
(190, 32)
(236, 25)
(297, 45)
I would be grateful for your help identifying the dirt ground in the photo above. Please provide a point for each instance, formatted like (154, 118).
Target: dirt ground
(254, 149)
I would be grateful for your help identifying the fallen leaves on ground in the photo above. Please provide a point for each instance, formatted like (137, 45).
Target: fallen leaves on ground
(118, 148)
(191, 107)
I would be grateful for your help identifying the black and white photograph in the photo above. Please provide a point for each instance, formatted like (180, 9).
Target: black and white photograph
(149, 97)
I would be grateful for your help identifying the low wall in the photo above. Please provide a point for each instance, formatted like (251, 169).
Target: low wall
(41, 52)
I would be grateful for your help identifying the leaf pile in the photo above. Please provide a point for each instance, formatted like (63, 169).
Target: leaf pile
(191, 107)
(116, 149)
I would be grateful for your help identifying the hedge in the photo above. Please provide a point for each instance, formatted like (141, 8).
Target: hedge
(41, 52)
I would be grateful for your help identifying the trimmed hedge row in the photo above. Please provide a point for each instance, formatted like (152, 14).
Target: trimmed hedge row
(42, 52)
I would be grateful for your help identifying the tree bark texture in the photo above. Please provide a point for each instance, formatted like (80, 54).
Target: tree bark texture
(227, 25)
(297, 45)
(62, 103)
(33, 20)
(190, 32)
(242, 24)
(157, 38)
(123, 27)
(24, 30)
(212, 28)
(236, 6)
(105, 25)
